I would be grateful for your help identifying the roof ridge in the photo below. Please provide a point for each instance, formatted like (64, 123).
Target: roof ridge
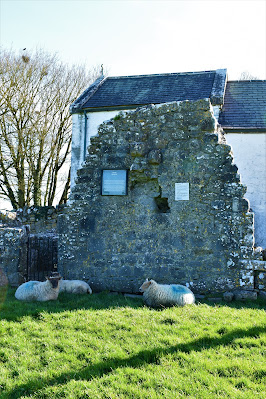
(160, 74)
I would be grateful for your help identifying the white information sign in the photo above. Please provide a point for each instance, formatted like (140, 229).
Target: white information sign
(181, 191)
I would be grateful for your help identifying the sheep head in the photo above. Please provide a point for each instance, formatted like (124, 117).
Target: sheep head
(54, 279)
(146, 285)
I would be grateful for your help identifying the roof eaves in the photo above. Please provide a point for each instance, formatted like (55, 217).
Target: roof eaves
(110, 108)
(86, 95)
(218, 88)
(247, 80)
(244, 129)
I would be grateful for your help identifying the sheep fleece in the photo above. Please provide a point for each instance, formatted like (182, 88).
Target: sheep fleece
(74, 287)
(37, 291)
(168, 295)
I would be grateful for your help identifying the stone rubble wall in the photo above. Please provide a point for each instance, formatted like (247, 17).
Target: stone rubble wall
(40, 219)
(115, 242)
(13, 255)
(15, 230)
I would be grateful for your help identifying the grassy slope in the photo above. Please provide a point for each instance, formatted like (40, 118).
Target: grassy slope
(108, 346)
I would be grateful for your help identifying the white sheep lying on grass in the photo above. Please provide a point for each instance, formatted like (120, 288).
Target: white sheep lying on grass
(156, 295)
(39, 290)
(74, 287)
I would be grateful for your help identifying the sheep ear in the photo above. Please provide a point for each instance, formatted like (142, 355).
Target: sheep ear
(147, 283)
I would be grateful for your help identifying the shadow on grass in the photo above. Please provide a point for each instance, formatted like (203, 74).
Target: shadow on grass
(154, 356)
(12, 309)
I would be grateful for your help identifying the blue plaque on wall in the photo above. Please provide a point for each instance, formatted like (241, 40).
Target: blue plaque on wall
(114, 182)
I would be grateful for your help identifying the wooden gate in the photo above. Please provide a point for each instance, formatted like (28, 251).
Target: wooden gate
(41, 256)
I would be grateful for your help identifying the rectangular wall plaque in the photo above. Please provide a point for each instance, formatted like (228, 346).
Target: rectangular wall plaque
(114, 182)
(181, 191)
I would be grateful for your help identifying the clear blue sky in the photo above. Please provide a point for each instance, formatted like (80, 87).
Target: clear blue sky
(140, 37)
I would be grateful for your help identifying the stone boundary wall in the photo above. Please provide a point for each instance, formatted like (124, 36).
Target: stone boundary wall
(40, 219)
(13, 255)
(15, 228)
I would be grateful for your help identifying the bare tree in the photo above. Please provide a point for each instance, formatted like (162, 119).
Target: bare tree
(35, 125)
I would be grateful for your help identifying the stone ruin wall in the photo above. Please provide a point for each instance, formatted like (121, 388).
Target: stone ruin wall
(206, 242)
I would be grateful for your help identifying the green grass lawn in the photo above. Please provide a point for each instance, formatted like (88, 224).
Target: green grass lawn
(109, 346)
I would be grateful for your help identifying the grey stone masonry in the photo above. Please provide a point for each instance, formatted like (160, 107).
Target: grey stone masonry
(198, 234)
(13, 255)
(39, 218)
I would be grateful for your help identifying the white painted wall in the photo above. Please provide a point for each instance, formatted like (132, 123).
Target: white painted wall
(249, 150)
(216, 111)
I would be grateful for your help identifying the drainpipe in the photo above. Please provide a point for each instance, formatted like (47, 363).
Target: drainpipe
(85, 136)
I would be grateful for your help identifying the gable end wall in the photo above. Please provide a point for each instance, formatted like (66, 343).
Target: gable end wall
(115, 242)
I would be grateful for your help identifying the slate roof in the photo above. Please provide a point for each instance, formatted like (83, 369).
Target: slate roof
(244, 105)
(132, 91)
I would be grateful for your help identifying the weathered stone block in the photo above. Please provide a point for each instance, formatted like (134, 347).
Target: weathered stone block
(228, 296)
(242, 295)
(137, 149)
(155, 157)
(262, 295)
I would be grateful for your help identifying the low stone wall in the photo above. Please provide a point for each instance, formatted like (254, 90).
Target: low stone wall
(16, 229)
(40, 219)
(13, 255)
